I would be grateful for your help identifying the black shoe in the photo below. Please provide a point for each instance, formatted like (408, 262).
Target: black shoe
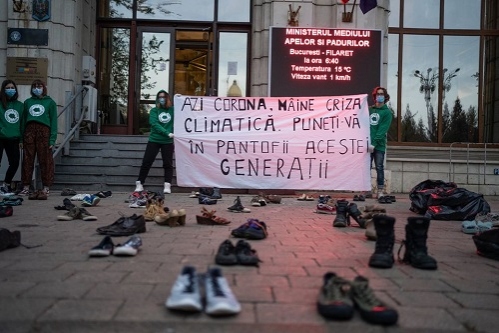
(103, 249)
(383, 253)
(487, 243)
(341, 220)
(125, 226)
(370, 307)
(206, 200)
(245, 254)
(355, 213)
(6, 211)
(226, 254)
(334, 300)
(9, 239)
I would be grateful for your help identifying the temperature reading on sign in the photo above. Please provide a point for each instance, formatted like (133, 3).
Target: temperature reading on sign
(317, 62)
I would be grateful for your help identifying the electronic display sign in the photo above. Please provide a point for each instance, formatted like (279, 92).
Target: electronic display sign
(323, 62)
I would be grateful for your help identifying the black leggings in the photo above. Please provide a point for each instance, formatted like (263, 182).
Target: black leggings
(150, 154)
(11, 148)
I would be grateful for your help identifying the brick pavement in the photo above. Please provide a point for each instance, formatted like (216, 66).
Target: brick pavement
(57, 288)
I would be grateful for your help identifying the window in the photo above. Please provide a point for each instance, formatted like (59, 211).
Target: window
(192, 10)
(232, 64)
(234, 10)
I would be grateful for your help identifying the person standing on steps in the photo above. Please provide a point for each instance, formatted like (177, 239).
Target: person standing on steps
(161, 138)
(380, 119)
(10, 131)
(39, 133)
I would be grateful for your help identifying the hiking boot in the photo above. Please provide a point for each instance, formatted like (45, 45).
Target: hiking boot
(129, 248)
(334, 300)
(9, 239)
(72, 214)
(325, 209)
(226, 254)
(238, 207)
(185, 294)
(245, 254)
(342, 220)
(383, 252)
(220, 301)
(355, 213)
(206, 200)
(371, 309)
(103, 249)
(416, 251)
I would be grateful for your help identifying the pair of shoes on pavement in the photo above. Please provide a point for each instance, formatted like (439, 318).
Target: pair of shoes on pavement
(38, 195)
(252, 229)
(124, 226)
(338, 297)
(186, 295)
(77, 213)
(241, 254)
(106, 247)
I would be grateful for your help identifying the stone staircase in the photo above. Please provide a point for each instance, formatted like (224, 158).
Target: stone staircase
(106, 162)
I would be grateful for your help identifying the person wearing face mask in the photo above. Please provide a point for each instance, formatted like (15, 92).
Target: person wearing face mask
(10, 131)
(380, 118)
(161, 138)
(39, 133)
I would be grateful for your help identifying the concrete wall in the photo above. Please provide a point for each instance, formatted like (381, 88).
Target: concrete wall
(71, 36)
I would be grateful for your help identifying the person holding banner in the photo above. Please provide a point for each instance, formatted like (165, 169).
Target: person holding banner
(380, 120)
(161, 138)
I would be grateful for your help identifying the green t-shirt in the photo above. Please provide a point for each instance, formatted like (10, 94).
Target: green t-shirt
(42, 110)
(10, 120)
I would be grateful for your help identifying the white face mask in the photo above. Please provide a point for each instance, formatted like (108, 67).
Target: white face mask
(37, 91)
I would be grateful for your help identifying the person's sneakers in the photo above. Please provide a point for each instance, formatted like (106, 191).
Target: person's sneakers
(138, 186)
(72, 214)
(90, 200)
(86, 216)
(167, 188)
(334, 300)
(325, 209)
(24, 191)
(129, 248)
(4, 190)
(238, 207)
(245, 255)
(371, 309)
(185, 294)
(220, 301)
(103, 249)
(226, 254)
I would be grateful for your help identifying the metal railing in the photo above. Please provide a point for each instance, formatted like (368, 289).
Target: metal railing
(452, 172)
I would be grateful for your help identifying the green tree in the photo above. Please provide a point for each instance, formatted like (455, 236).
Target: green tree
(458, 126)
(472, 121)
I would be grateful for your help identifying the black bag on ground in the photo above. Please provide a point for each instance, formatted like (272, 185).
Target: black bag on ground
(439, 200)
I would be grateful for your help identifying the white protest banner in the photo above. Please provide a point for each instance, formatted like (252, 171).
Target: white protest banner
(305, 143)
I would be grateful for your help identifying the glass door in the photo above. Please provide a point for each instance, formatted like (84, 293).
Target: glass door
(154, 67)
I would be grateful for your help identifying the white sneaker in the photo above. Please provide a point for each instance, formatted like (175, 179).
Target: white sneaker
(168, 188)
(138, 186)
(129, 248)
(220, 301)
(185, 294)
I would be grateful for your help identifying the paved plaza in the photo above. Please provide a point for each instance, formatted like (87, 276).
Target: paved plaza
(57, 288)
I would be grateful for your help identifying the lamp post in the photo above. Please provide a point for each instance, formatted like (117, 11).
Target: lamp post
(446, 81)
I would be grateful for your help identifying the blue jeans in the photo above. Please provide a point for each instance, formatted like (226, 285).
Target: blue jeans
(378, 157)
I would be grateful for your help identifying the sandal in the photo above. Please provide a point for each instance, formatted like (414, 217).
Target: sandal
(209, 218)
